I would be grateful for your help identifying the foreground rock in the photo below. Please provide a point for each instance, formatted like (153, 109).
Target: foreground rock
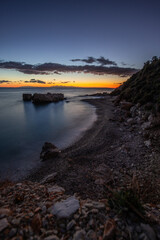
(49, 151)
(66, 208)
(41, 98)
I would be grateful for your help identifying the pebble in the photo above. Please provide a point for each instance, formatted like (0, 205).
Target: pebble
(79, 235)
(52, 237)
(3, 224)
(149, 231)
(89, 220)
(91, 235)
(71, 224)
(13, 232)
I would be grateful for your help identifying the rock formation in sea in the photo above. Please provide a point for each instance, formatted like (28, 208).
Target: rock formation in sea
(49, 151)
(40, 98)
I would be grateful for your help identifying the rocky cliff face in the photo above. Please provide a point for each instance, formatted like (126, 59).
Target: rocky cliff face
(143, 87)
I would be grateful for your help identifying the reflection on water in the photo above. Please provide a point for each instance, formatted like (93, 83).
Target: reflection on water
(24, 127)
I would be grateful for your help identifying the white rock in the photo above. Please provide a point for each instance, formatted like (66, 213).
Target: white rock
(66, 208)
(56, 189)
(147, 143)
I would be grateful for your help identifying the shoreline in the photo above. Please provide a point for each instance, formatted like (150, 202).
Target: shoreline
(83, 193)
(108, 156)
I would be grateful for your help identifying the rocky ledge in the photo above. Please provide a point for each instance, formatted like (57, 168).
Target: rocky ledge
(39, 98)
(43, 211)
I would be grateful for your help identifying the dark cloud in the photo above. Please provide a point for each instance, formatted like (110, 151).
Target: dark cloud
(51, 83)
(88, 60)
(65, 82)
(119, 83)
(35, 81)
(104, 61)
(56, 72)
(101, 60)
(50, 68)
(4, 81)
(124, 64)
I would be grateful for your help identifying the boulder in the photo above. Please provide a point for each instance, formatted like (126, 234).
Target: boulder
(27, 97)
(66, 208)
(126, 105)
(39, 98)
(49, 151)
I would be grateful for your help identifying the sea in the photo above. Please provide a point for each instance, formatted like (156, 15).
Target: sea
(24, 127)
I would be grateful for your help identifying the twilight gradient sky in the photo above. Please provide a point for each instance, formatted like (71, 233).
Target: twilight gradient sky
(38, 40)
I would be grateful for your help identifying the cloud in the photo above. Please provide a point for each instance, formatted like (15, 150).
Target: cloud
(56, 72)
(51, 83)
(50, 68)
(101, 60)
(65, 82)
(4, 81)
(104, 61)
(118, 83)
(35, 81)
(88, 60)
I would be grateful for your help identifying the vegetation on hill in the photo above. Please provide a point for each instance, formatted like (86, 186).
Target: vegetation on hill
(143, 87)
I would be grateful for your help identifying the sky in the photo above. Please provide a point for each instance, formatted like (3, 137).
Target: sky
(87, 43)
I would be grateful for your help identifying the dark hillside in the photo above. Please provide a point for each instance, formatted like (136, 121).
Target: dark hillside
(143, 87)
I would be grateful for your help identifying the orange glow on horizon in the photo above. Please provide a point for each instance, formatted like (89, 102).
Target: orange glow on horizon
(83, 84)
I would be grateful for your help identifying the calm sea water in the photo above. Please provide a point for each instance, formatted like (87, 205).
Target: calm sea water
(24, 127)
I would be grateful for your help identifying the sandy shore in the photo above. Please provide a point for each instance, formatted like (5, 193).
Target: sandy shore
(110, 155)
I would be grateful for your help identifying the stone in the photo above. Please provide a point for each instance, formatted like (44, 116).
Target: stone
(36, 223)
(13, 232)
(91, 235)
(56, 189)
(147, 143)
(149, 231)
(133, 111)
(126, 105)
(44, 209)
(16, 221)
(99, 205)
(66, 208)
(146, 125)
(109, 229)
(51, 237)
(27, 97)
(49, 151)
(5, 211)
(49, 178)
(71, 224)
(79, 235)
(3, 224)
(130, 121)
